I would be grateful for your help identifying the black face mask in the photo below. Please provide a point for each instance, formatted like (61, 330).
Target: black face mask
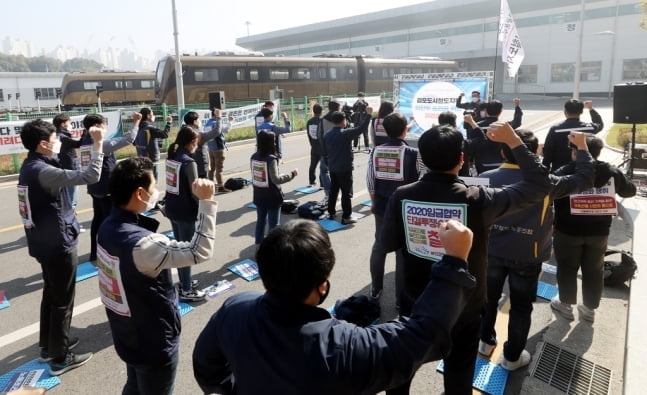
(323, 297)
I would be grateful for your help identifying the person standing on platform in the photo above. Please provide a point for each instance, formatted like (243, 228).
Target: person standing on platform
(52, 230)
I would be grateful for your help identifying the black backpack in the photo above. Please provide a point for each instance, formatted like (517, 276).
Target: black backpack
(289, 206)
(616, 273)
(311, 210)
(236, 183)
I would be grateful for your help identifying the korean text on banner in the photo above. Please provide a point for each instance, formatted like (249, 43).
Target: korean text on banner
(512, 54)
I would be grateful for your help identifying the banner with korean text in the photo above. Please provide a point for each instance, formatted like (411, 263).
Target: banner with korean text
(10, 142)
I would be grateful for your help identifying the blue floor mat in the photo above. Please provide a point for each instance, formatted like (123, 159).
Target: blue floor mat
(185, 308)
(4, 302)
(251, 205)
(46, 380)
(331, 225)
(367, 203)
(170, 235)
(546, 291)
(246, 269)
(85, 271)
(307, 189)
(488, 377)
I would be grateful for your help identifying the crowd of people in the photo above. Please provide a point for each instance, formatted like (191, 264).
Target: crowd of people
(447, 295)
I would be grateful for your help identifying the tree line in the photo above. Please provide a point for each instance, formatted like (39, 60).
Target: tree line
(20, 63)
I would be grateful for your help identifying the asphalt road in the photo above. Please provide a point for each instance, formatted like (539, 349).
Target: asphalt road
(105, 373)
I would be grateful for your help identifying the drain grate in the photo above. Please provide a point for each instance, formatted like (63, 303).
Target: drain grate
(570, 373)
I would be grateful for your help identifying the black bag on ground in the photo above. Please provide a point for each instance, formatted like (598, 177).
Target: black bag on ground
(235, 183)
(289, 206)
(358, 310)
(311, 210)
(616, 273)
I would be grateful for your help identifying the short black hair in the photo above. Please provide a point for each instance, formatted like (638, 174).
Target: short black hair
(441, 147)
(295, 258)
(191, 117)
(127, 176)
(574, 107)
(528, 138)
(447, 118)
(394, 124)
(317, 109)
(33, 132)
(146, 111)
(91, 120)
(494, 108)
(268, 103)
(595, 145)
(60, 119)
(337, 117)
(333, 105)
(266, 142)
(477, 92)
(266, 112)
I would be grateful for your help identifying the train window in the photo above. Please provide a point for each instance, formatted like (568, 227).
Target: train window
(206, 75)
(349, 73)
(147, 84)
(322, 73)
(45, 93)
(90, 85)
(301, 73)
(333, 73)
(417, 71)
(279, 74)
(240, 74)
(253, 74)
(124, 84)
(405, 71)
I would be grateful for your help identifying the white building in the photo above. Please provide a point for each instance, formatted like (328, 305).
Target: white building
(19, 90)
(13, 46)
(613, 42)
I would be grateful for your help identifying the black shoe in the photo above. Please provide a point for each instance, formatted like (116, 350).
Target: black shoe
(71, 361)
(44, 354)
(348, 221)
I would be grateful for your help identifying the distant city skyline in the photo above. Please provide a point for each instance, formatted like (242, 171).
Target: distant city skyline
(140, 33)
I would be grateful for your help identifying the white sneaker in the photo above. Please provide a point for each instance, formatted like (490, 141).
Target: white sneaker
(524, 359)
(586, 313)
(193, 295)
(562, 310)
(485, 348)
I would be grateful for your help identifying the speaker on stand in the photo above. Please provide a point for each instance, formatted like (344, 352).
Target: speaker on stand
(630, 106)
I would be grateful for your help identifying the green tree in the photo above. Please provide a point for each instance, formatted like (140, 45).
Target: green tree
(80, 64)
(13, 63)
(44, 64)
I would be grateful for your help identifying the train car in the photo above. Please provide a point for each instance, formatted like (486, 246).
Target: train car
(119, 88)
(252, 77)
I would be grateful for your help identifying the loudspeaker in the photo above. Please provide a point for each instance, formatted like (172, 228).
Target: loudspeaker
(217, 100)
(630, 103)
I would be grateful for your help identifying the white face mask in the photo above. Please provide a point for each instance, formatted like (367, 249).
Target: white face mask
(152, 199)
(153, 119)
(483, 114)
(474, 99)
(56, 147)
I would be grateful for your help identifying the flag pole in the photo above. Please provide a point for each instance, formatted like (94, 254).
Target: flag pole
(496, 51)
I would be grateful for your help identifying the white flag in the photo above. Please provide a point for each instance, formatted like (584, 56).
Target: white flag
(512, 54)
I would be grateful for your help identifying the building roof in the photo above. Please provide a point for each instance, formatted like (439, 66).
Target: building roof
(416, 16)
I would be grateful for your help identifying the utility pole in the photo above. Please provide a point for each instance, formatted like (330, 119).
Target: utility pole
(179, 83)
(578, 63)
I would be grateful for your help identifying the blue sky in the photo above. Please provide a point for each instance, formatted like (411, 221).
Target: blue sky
(146, 25)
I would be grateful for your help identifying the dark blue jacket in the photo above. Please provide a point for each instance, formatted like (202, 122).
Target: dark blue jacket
(148, 139)
(556, 151)
(68, 158)
(337, 142)
(150, 332)
(527, 236)
(272, 346)
(313, 136)
(218, 143)
(183, 206)
(100, 189)
(385, 188)
(55, 229)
